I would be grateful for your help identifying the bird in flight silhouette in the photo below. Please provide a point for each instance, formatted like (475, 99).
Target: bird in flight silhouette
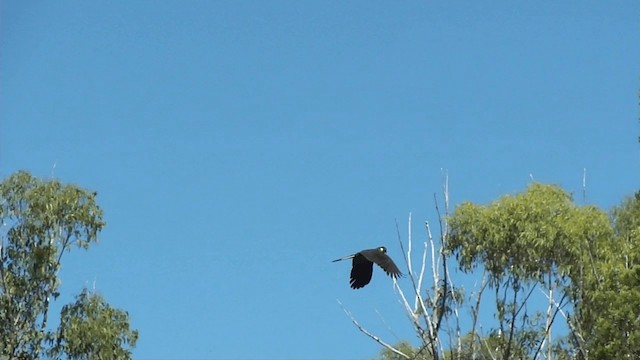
(362, 268)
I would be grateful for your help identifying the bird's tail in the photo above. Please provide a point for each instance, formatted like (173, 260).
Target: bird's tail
(344, 258)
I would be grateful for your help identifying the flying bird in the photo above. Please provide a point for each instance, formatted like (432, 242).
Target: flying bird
(362, 268)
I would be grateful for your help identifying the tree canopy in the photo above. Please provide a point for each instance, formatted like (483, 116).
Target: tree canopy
(41, 220)
(583, 260)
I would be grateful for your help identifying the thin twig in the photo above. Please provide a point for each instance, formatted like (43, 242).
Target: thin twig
(387, 325)
(512, 325)
(409, 247)
(584, 186)
(5, 289)
(486, 345)
(549, 320)
(374, 337)
(524, 302)
(476, 311)
(576, 333)
(445, 191)
(456, 314)
(558, 306)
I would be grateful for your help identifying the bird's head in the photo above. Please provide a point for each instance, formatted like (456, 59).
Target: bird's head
(382, 249)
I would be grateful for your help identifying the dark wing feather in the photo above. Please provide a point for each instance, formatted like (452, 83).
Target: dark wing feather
(384, 261)
(360, 272)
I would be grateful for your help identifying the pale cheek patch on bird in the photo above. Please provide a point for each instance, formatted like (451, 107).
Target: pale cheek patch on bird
(362, 266)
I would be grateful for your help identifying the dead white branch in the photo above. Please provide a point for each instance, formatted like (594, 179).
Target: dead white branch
(416, 290)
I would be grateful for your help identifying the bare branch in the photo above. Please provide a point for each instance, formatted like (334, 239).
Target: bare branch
(5, 289)
(559, 305)
(424, 262)
(432, 340)
(445, 191)
(576, 333)
(524, 302)
(407, 307)
(486, 345)
(416, 290)
(374, 337)
(443, 234)
(584, 186)
(512, 325)
(433, 255)
(476, 311)
(434, 268)
(409, 248)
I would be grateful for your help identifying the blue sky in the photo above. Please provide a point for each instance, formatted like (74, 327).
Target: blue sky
(239, 146)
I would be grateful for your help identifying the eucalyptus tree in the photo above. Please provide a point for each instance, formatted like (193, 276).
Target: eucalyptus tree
(560, 281)
(41, 220)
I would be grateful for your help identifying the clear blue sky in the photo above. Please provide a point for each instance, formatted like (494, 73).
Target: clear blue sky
(239, 146)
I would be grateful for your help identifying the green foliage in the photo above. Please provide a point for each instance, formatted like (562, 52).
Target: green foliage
(626, 224)
(487, 348)
(541, 238)
(40, 221)
(91, 329)
(406, 348)
(615, 308)
(527, 235)
(610, 307)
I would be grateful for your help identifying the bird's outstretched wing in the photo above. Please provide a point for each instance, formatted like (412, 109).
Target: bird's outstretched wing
(361, 272)
(384, 261)
(362, 268)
